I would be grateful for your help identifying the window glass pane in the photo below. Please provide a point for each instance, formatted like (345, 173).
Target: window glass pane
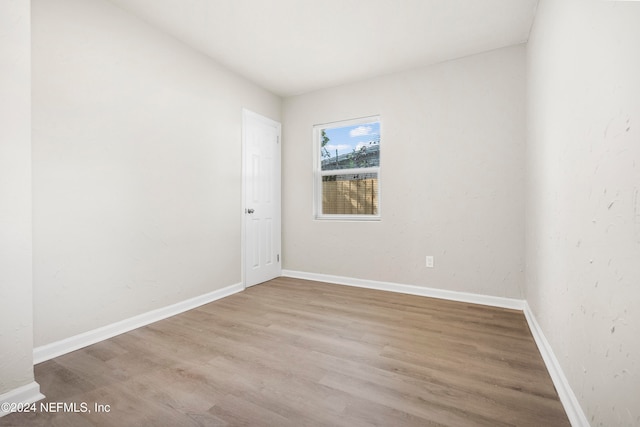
(350, 194)
(349, 147)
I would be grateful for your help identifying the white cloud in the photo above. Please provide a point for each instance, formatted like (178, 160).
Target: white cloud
(360, 131)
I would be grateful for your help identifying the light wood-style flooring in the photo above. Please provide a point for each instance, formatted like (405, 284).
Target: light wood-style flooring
(299, 353)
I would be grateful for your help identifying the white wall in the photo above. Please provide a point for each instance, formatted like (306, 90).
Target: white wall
(136, 166)
(452, 178)
(16, 322)
(583, 199)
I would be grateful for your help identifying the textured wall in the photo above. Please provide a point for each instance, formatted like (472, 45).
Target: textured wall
(583, 199)
(452, 178)
(136, 166)
(16, 322)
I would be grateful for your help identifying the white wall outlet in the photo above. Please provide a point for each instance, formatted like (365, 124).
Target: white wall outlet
(429, 261)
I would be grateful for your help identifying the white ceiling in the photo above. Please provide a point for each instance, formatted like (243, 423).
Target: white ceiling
(296, 46)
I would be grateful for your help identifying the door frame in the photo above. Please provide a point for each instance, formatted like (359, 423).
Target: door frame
(248, 114)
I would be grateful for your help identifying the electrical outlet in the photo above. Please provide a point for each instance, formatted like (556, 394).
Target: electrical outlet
(429, 261)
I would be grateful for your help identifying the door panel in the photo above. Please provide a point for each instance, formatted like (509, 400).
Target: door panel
(262, 229)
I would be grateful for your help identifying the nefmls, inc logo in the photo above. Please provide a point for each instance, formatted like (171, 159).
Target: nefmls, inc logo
(76, 407)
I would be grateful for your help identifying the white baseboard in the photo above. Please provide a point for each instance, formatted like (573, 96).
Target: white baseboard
(565, 393)
(512, 303)
(31, 392)
(28, 393)
(58, 348)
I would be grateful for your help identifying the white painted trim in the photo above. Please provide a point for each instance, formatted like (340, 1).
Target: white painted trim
(565, 393)
(318, 172)
(28, 393)
(31, 392)
(512, 303)
(58, 348)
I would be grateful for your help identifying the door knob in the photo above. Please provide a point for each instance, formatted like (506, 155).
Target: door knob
(250, 211)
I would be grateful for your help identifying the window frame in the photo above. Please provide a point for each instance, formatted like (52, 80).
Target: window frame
(318, 173)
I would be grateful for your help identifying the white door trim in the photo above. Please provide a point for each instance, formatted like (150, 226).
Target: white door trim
(246, 114)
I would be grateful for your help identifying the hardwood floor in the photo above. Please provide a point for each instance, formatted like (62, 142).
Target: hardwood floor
(299, 353)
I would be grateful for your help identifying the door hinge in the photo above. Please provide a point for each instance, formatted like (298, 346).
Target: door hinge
(278, 258)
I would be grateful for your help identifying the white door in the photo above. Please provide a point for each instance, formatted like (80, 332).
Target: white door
(261, 194)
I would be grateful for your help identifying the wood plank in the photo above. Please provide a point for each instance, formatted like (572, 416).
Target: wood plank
(292, 352)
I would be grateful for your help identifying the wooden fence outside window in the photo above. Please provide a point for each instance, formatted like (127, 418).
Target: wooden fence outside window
(350, 197)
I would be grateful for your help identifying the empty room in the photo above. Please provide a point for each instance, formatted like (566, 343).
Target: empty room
(327, 213)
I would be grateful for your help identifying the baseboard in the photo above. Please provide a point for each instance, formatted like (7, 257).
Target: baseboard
(512, 303)
(25, 394)
(565, 393)
(31, 392)
(58, 348)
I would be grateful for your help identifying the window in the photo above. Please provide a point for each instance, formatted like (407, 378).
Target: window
(347, 169)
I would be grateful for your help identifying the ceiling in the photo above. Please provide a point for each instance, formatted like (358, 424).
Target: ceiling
(295, 46)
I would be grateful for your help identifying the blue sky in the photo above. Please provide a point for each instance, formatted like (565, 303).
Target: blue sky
(345, 139)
